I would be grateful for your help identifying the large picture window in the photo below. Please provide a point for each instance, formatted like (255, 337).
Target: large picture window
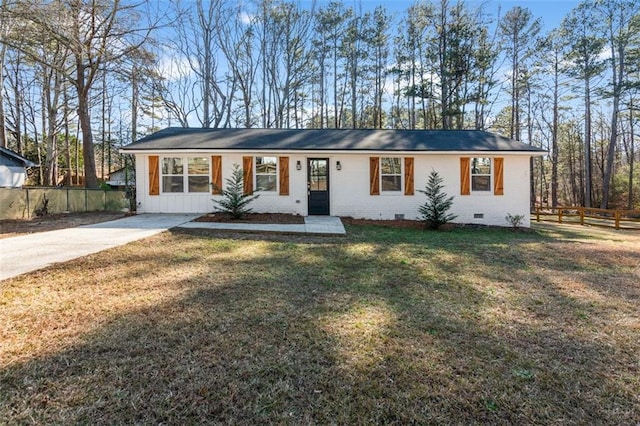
(391, 174)
(481, 174)
(266, 174)
(175, 175)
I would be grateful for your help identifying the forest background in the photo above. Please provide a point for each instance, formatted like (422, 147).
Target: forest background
(80, 78)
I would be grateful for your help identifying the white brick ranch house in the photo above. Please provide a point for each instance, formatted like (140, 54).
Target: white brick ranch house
(373, 174)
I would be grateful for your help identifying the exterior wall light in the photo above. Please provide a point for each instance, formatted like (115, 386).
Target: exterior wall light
(338, 165)
(298, 165)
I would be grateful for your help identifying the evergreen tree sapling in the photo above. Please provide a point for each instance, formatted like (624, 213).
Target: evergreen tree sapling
(434, 212)
(234, 201)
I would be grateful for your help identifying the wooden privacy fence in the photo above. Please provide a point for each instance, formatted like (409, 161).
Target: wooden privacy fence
(25, 203)
(619, 219)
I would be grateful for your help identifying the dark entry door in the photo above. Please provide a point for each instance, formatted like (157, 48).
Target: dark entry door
(318, 185)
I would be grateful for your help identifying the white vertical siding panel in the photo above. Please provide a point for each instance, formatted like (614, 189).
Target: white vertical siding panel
(349, 190)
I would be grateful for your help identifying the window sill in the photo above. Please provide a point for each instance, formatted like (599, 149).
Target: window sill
(186, 193)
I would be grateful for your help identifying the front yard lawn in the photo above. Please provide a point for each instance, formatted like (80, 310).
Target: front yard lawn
(388, 326)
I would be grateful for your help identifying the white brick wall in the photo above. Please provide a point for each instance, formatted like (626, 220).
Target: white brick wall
(349, 189)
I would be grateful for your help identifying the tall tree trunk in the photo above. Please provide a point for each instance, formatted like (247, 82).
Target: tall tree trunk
(109, 110)
(88, 152)
(3, 133)
(134, 104)
(587, 144)
(354, 94)
(19, 105)
(554, 137)
(445, 79)
(321, 97)
(631, 156)
(51, 99)
(532, 191)
(572, 172)
(67, 149)
(617, 76)
(514, 95)
(103, 130)
(335, 82)
(77, 146)
(263, 53)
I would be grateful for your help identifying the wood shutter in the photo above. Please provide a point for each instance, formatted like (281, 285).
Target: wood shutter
(374, 175)
(283, 164)
(498, 176)
(216, 174)
(154, 175)
(408, 176)
(465, 176)
(247, 175)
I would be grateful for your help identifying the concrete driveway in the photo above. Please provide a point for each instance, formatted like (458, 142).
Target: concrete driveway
(27, 253)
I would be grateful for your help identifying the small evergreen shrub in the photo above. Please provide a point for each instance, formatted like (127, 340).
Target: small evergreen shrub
(434, 212)
(234, 201)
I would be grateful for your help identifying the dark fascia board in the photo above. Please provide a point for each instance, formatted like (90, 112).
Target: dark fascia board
(17, 157)
(173, 138)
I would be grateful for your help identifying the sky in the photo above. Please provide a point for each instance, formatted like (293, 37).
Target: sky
(551, 11)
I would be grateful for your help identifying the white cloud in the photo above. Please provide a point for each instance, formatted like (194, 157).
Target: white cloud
(174, 67)
(246, 18)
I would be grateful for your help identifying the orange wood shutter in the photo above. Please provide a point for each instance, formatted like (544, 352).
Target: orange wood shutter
(283, 163)
(374, 175)
(498, 186)
(247, 175)
(216, 174)
(408, 176)
(154, 175)
(465, 176)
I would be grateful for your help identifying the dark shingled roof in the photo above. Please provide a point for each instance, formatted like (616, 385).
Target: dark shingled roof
(9, 158)
(174, 138)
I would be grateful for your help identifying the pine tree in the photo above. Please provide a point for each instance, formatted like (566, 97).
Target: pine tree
(434, 211)
(234, 201)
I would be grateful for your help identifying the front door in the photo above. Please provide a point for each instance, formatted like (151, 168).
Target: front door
(318, 186)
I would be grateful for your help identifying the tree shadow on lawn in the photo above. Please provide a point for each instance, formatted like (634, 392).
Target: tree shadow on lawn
(330, 331)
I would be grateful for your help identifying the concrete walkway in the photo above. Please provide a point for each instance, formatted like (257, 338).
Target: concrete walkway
(315, 225)
(27, 253)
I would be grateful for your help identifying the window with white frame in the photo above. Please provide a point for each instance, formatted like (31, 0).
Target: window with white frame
(481, 174)
(192, 178)
(266, 174)
(172, 174)
(390, 174)
(198, 174)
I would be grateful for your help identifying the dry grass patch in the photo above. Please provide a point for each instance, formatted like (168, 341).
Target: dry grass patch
(383, 326)
(51, 222)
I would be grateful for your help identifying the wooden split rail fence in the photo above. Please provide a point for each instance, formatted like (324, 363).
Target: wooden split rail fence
(619, 219)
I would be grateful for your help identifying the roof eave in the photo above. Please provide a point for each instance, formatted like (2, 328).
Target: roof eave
(334, 151)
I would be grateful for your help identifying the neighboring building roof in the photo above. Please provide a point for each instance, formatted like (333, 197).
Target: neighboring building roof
(122, 177)
(15, 159)
(177, 138)
(122, 171)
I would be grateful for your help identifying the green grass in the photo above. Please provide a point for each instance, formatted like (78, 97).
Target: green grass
(384, 326)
